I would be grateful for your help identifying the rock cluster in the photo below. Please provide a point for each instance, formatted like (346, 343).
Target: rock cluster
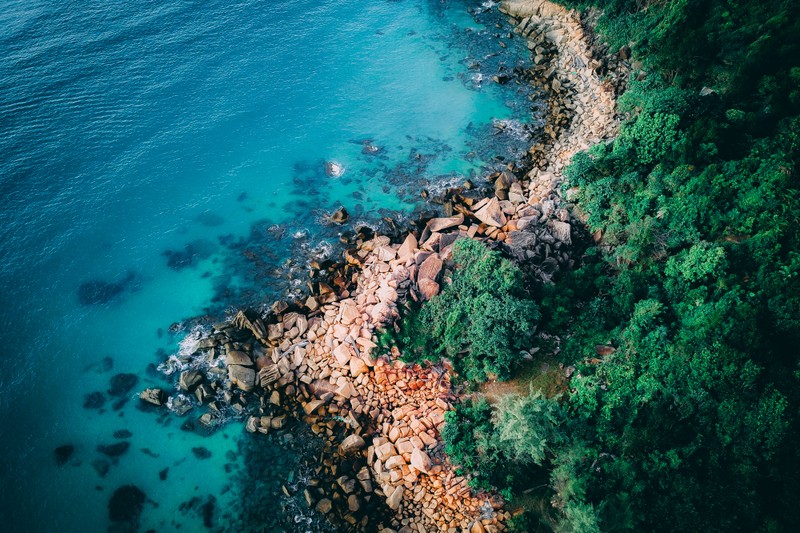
(389, 413)
(582, 82)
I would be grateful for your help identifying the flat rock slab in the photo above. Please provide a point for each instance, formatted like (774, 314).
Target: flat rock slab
(440, 224)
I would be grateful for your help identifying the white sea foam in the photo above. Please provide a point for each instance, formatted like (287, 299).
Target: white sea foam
(189, 343)
(514, 128)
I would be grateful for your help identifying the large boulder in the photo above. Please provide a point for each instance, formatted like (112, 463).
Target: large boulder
(242, 377)
(394, 499)
(430, 268)
(441, 224)
(190, 380)
(562, 231)
(235, 357)
(420, 460)
(352, 443)
(358, 367)
(340, 216)
(491, 214)
(154, 396)
(428, 289)
(407, 249)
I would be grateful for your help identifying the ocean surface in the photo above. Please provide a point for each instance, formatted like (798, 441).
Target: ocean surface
(161, 161)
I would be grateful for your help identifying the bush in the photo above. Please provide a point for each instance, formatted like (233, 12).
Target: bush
(482, 320)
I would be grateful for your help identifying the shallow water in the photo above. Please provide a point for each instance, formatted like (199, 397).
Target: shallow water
(147, 153)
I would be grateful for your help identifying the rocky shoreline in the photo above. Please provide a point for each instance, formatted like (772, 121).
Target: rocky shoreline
(316, 361)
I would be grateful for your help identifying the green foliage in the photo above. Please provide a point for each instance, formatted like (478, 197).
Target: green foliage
(482, 320)
(691, 423)
(528, 427)
(692, 418)
(467, 435)
(579, 517)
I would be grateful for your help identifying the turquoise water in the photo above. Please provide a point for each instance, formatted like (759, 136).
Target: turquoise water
(144, 149)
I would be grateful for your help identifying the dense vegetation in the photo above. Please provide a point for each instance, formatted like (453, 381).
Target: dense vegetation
(683, 324)
(476, 319)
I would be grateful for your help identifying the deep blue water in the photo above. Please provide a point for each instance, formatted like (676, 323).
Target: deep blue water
(145, 147)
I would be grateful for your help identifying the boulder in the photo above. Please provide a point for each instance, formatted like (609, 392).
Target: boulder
(477, 527)
(386, 294)
(234, 357)
(380, 312)
(420, 460)
(204, 393)
(352, 443)
(334, 169)
(353, 504)
(515, 194)
(430, 268)
(190, 380)
(274, 331)
(347, 484)
(562, 231)
(358, 367)
(441, 224)
(395, 461)
(385, 450)
(342, 354)
(311, 303)
(324, 506)
(153, 396)
(350, 312)
(340, 216)
(242, 377)
(408, 248)
(394, 499)
(311, 406)
(385, 253)
(491, 214)
(268, 375)
(428, 289)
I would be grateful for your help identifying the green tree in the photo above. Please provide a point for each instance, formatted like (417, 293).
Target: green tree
(482, 319)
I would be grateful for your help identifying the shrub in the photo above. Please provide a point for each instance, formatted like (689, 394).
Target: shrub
(482, 320)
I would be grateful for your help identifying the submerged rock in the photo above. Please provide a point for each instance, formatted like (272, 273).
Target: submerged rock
(201, 452)
(121, 384)
(126, 504)
(94, 400)
(122, 434)
(114, 450)
(98, 292)
(101, 466)
(63, 454)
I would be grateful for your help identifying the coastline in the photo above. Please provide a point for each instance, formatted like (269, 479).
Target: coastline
(314, 359)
